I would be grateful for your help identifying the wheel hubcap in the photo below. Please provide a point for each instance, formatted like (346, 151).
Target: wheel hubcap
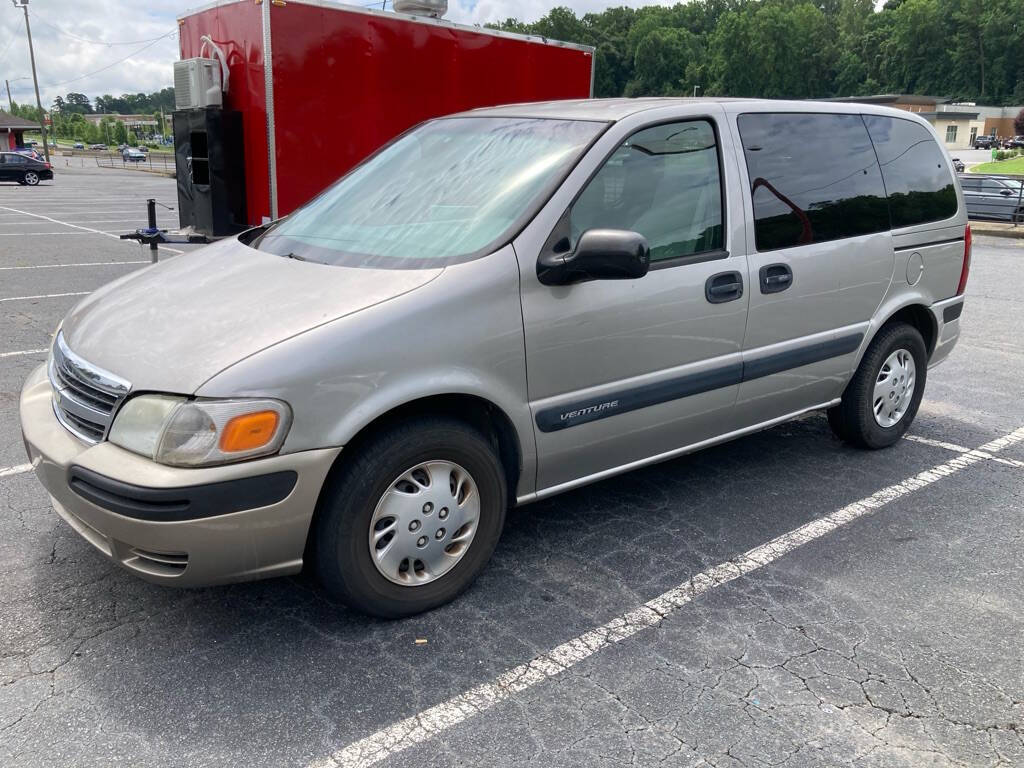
(31, 178)
(424, 523)
(894, 388)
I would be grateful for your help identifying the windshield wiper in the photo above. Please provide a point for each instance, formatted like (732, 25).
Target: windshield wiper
(294, 256)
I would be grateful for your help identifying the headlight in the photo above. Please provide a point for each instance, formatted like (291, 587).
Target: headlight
(190, 433)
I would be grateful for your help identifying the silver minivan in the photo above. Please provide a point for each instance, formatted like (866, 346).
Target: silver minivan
(496, 307)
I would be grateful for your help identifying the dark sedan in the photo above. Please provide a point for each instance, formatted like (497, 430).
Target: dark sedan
(23, 169)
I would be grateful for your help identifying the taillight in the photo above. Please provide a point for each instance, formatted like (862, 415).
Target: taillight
(48, 165)
(966, 269)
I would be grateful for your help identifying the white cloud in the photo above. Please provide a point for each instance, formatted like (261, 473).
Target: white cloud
(60, 29)
(484, 11)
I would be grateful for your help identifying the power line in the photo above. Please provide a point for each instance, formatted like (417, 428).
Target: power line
(14, 37)
(96, 42)
(113, 64)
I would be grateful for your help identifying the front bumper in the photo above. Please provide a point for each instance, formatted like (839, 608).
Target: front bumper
(152, 534)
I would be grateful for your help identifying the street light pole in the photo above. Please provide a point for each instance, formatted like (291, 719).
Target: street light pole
(23, 4)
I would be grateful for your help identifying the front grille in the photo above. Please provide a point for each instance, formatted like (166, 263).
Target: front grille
(85, 397)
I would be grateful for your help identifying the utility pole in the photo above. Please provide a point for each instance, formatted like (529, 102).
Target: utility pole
(695, 88)
(9, 99)
(23, 4)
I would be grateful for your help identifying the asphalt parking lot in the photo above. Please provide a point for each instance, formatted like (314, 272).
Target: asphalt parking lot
(779, 600)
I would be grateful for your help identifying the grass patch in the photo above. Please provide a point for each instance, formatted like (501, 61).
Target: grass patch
(1016, 165)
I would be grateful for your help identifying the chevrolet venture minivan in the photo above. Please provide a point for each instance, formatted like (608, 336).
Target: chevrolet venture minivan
(499, 306)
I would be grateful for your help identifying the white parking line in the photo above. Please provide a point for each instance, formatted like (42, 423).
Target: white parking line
(45, 296)
(87, 221)
(19, 469)
(78, 226)
(961, 449)
(79, 264)
(426, 725)
(22, 352)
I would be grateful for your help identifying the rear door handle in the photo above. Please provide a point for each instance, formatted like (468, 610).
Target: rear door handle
(775, 278)
(723, 287)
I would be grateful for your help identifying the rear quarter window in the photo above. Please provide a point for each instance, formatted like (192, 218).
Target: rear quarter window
(917, 180)
(813, 178)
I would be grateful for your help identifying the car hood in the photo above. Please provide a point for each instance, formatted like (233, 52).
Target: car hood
(173, 326)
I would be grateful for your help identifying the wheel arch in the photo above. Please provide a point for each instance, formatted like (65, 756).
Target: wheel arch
(477, 411)
(913, 310)
(920, 317)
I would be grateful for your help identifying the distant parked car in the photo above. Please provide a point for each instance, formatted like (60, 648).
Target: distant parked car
(984, 142)
(132, 155)
(23, 169)
(79, 145)
(33, 143)
(958, 165)
(1017, 142)
(98, 147)
(988, 197)
(143, 148)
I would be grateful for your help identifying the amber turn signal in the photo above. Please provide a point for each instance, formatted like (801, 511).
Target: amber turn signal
(248, 432)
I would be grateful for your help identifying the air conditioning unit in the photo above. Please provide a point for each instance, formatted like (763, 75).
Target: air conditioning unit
(197, 84)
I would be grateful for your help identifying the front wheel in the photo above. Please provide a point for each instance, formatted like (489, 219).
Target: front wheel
(411, 520)
(883, 396)
(31, 178)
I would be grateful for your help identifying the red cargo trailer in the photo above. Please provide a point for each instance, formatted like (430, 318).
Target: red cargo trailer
(321, 85)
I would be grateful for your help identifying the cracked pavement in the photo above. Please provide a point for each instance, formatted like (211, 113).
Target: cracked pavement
(892, 641)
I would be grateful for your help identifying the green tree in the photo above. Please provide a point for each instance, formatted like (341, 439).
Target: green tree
(119, 134)
(667, 62)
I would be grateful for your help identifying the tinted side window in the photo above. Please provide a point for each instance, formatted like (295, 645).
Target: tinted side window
(917, 180)
(813, 178)
(664, 183)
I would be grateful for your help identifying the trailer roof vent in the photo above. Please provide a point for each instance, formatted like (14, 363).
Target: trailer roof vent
(436, 8)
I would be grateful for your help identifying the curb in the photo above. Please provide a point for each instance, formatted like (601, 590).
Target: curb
(1014, 233)
(154, 171)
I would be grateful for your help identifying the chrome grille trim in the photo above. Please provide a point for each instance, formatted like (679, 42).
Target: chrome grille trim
(85, 397)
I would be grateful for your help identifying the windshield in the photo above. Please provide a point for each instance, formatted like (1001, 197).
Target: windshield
(448, 191)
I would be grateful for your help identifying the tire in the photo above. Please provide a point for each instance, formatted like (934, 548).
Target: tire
(881, 382)
(379, 474)
(31, 178)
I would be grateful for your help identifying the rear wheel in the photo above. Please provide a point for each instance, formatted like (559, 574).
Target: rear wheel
(411, 520)
(31, 178)
(881, 400)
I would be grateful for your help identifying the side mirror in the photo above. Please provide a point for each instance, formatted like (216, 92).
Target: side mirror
(601, 254)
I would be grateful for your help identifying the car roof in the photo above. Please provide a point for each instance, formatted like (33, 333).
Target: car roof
(585, 109)
(613, 110)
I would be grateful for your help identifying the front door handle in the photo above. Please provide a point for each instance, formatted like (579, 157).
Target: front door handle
(723, 287)
(775, 278)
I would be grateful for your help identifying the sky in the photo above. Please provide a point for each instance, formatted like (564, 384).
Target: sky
(129, 46)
